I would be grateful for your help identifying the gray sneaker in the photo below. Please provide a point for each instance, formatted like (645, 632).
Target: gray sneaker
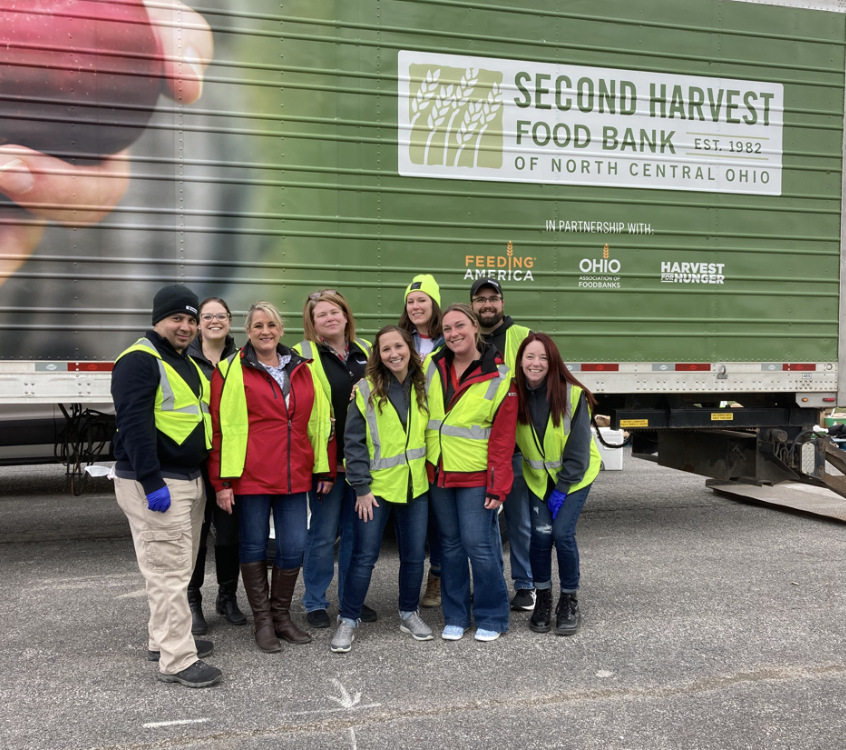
(416, 628)
(343, 638)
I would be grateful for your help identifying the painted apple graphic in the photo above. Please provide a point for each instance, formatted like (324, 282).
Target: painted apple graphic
(78, 78)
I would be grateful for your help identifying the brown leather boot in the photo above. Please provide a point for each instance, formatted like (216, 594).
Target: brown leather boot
(432, 594)
(254, 576)
(282, 584)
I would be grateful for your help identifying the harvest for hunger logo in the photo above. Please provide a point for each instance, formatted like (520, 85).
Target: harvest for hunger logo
(455, 116)
(675, 272)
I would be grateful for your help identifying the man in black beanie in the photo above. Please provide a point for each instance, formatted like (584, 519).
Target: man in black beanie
(163, 436)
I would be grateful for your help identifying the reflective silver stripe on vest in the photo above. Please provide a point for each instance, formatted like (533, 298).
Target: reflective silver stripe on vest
(307, 350)
(430, 373)
(377, 462)
(400, 460)
(168, 398)
(471, 433)
(493, 386)
(540, 465)
(434, 424)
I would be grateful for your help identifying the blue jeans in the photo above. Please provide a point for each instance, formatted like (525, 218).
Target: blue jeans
(433, 541)
(561, 531)
(335, 512)
(289, 522)
(469, 530)
(519, 522)
(410, 524)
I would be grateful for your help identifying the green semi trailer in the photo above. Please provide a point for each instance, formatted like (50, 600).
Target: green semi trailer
(658, 184)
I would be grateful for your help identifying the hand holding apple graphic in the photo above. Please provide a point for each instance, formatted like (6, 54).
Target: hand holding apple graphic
(79, 80)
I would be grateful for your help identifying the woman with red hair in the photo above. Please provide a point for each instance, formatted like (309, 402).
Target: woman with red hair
(560, 461)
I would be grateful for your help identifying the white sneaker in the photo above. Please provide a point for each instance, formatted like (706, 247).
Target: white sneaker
(453, 633)
(487, 635)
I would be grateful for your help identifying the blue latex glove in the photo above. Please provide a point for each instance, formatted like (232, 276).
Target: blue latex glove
(159, 500)
(555, 501)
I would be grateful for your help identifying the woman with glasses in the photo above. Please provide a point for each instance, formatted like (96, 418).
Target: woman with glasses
(560, 462)
(470, 442)
(212, 344)
(339, 360)
(270, 438)
(421, 317)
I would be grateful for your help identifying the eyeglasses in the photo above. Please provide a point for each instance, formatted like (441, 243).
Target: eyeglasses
(207, 317)
(482, 300)
(321, 293)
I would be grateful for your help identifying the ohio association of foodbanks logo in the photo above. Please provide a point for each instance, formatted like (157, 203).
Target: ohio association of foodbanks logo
(600, 273)
(450, 116)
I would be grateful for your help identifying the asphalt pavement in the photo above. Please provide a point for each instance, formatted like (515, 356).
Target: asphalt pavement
(708, 623)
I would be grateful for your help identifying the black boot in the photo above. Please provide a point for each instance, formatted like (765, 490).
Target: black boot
(227, 604)
(199, 626)
(567, 617)
(541, 621)
(226, 562)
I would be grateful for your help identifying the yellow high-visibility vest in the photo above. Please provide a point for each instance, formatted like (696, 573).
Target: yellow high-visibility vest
(513, 338)
(234, 421)
(397, 455)
(459, 437)
(178, 410)
(543, 461)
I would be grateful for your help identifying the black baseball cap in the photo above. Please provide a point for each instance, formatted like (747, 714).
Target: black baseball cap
(480, 283)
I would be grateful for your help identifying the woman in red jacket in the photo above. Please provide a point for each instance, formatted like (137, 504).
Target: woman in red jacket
(271, 428)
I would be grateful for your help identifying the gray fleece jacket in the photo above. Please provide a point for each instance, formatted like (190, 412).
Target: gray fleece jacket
(355, 435)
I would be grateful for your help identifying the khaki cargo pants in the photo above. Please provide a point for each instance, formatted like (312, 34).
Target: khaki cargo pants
(166, 547)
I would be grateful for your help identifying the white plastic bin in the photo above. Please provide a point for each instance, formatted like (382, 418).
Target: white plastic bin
(612, 458)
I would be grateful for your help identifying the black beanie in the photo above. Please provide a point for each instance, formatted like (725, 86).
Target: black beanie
(174, 299)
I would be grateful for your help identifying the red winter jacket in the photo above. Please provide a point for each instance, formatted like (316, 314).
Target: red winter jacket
(280, 458)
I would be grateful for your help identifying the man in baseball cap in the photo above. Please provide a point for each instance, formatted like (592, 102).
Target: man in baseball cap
(487, 301)
(163, 436)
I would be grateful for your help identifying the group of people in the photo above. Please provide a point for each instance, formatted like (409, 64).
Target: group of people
(446, 417)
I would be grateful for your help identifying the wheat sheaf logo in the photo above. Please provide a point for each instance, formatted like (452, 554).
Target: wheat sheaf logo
(455, 116)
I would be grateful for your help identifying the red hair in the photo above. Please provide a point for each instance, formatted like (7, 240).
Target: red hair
(556, 382)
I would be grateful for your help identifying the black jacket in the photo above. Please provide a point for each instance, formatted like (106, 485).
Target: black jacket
(497, 336)
(342, 376)
(195, 351)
